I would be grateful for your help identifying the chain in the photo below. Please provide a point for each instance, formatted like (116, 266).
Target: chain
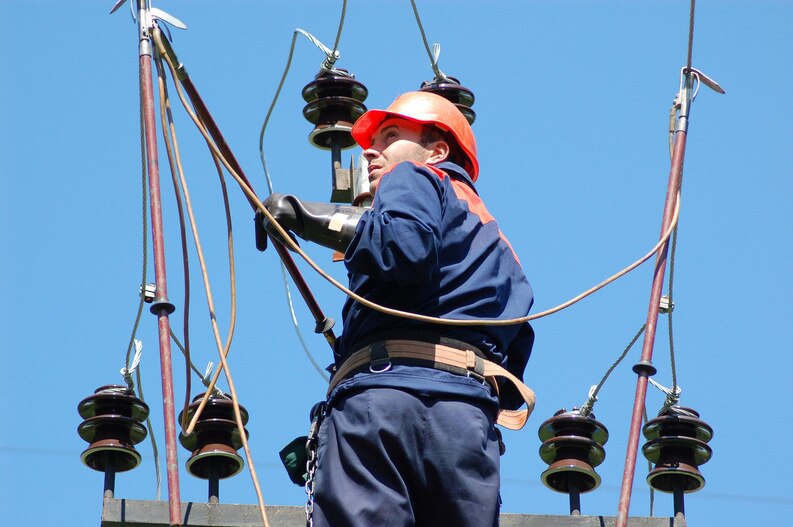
(317, 414)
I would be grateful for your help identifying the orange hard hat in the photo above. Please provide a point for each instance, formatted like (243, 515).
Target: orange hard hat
(425, 108)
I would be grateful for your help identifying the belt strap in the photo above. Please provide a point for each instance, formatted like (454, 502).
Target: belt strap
(439, 354)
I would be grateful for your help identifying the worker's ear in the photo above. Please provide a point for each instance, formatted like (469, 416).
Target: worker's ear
(439, 152)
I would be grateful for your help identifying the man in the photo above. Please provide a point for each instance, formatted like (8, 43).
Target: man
(408, 439)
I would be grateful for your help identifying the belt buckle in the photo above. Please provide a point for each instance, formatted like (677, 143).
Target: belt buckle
(476, 376)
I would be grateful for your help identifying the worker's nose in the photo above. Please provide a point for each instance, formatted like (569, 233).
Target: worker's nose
(370, 154)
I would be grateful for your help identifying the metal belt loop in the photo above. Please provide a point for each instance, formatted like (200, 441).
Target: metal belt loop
(379, 360)
(317, 416)
(475, 366)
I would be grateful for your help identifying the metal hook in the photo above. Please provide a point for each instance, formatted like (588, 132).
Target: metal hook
(701, 77)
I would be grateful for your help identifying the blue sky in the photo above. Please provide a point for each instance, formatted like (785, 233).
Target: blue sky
(572, 105)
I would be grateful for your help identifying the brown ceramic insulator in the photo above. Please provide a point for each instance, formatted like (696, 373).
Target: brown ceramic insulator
(450, 88)
(571, 458)
(572, 446)
(111, 399)
(335, 102)
(573, 423)
(677, 446)
(216, 408)
(215, 439)
(112, 427)
(678, 421)
(112, 439)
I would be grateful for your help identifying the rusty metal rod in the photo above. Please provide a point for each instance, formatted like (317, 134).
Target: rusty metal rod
(644, 368)
(161, 307)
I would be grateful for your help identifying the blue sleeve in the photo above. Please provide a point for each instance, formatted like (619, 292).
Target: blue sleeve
(398, 239)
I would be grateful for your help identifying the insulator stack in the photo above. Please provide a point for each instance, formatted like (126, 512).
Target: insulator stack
(214, 441)
(572, 446)
(678, 444)
(335, 102)
(112, 427)
(451, 89)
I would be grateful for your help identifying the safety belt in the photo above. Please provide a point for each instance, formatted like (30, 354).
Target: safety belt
(438, 356)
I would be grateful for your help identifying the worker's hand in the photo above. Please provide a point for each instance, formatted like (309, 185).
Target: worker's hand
(327, 224)
(286, 210)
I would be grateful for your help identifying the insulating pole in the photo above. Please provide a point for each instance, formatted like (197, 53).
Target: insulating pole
(644, 368)
(161, 307)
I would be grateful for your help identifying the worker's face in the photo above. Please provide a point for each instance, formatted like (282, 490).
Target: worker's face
(396, 140)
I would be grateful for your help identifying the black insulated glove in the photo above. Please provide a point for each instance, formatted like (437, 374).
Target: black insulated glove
(327, 224)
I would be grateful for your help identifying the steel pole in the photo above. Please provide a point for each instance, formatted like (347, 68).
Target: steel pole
(645, 368)
(161, 307)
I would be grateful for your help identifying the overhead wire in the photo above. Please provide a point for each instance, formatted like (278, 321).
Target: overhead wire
(176, 168)
(145, 223)
(586, 408)
(144, 268)
(171, 145)
(222, 350)
(435, 53)
(330, 58)
(291, 244)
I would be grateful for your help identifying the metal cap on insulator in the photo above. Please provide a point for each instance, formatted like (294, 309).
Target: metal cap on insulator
(335, 102)
(112, 427)
(678, 445)
(572, 446)
(451, 89)
(215, 439)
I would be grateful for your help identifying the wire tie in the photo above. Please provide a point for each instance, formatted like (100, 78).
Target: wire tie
(126, 372)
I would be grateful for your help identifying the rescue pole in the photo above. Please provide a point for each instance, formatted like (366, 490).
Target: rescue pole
(324, 324)
(161, 307)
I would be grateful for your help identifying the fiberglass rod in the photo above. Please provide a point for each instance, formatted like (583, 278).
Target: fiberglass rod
(161, 307)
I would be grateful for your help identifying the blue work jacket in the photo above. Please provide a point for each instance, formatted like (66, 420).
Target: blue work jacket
(429, 246)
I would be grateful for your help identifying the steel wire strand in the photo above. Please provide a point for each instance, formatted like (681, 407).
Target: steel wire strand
(169, 138)
(439, 75)
(281, 232)
(691, 9)
(672, 250)
(155, 451)
(145, 223)
(144, 268)
(213, 319)
(341, 26)
(586, 408)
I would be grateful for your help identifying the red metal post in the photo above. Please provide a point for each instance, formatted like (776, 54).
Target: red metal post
(644, 368)
(161, 307)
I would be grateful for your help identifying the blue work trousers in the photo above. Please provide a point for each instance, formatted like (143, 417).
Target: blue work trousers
(388, 457)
